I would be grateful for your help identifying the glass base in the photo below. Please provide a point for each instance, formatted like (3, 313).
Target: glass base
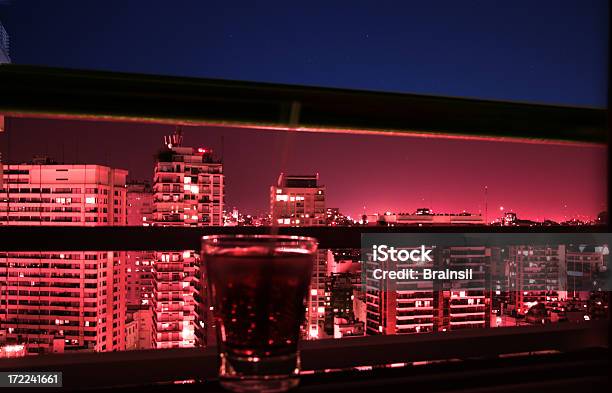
(259, 385)
(274, 374)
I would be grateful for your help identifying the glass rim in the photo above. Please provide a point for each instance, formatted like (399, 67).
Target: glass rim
(270, 237)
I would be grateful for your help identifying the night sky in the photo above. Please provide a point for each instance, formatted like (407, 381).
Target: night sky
(545, 51)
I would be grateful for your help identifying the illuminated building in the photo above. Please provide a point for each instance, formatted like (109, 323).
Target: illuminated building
(336, 218)
(339, 317)
(583, 265)
(425, 217)
(12, 351)
(537, 274)
(511, 219)
(400, 307)
(417, 306)
(139, 264)
(139, 204)
(467, 303)
(318, 296)
(298, 201)
(188, 186)
(61, 301)
(138, 329)
(178, 310)
(188, 191)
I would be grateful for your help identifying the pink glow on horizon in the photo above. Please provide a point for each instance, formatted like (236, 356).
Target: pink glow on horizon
(551, 180)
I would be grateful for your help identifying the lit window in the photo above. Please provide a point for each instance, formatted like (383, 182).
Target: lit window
(90, 200)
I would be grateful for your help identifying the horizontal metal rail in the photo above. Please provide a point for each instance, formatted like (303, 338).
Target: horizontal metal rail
(97, 370)
(46, 238)
(96, 95)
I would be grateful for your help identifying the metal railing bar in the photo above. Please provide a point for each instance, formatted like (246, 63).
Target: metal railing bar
(47, 238)
(96, 95)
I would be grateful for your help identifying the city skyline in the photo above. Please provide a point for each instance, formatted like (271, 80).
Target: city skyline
(211, 195)
(169, 308)
(555, 182)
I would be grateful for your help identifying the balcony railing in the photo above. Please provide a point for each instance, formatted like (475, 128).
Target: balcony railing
(83, 370)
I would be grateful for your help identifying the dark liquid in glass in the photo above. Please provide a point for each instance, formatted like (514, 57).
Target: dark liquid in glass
(258, 298)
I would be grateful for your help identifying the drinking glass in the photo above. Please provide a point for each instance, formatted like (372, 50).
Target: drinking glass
(257, 286)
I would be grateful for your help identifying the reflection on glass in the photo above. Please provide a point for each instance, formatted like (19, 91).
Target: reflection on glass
(258, 288)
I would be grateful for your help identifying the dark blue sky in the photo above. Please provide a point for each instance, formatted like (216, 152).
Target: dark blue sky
(536, 50)
(541, 51)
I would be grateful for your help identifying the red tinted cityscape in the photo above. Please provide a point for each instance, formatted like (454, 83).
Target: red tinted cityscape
(261, 197)
(57, 302)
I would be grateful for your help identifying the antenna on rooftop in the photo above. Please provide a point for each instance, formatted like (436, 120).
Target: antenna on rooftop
(175, 139)
(486, 205)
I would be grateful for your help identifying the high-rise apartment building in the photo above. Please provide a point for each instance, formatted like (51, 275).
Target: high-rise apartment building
(60, 301)
(400, 307)
(584, 263)
(298, 201)
(188, 186)
(537, 275)
(417, 305)
(139, 264)
(318, 297)
(188, 190)
(467, 303)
